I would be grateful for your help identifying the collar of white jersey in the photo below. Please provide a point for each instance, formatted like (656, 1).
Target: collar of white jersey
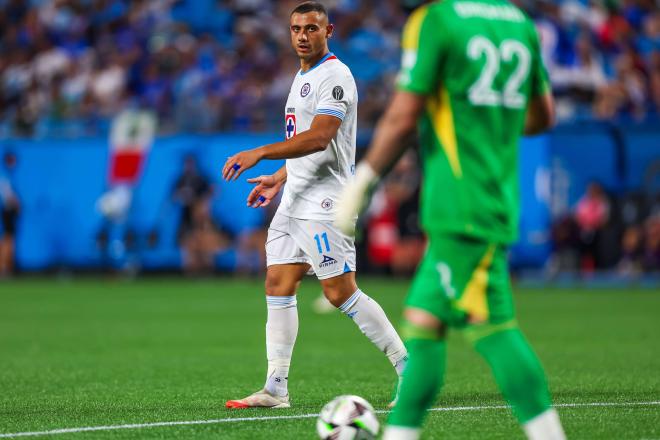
(326, 57)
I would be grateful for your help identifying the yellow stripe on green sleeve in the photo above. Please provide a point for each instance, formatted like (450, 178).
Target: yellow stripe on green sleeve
(413, 28)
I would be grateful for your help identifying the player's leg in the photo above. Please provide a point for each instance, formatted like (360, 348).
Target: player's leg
(286, 266)
(427, 310)
(422, 379)
(522, 381)
(448, 290)
(282, 282)
(343, 292)
(332, 256)
(517, 369)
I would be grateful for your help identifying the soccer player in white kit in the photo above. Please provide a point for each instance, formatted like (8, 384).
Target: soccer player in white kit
(320, 123)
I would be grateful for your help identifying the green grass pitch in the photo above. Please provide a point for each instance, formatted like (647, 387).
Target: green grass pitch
(99, 352)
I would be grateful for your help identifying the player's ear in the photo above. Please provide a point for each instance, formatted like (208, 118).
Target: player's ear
(329, 29)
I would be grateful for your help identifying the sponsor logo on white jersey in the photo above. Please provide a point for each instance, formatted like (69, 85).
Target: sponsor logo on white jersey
(327, 261)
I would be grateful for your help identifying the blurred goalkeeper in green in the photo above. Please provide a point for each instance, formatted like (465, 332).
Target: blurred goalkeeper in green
(473, 82)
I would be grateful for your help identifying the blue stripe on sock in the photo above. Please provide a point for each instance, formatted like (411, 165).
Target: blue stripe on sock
(281, 300)
(350, 301)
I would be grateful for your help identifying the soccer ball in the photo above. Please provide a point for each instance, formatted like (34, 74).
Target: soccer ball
(347, 418)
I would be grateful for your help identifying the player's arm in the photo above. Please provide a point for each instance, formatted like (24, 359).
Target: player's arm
(423, 45)
(541, 108)
(540, 114)
(322, 130)
(397, 124)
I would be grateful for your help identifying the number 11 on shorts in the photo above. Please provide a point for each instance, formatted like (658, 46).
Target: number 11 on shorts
(325, 241)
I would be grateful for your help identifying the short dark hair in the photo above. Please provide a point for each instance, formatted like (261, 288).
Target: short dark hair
(306, 7)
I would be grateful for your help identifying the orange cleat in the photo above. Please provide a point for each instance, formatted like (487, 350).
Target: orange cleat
(260, 399)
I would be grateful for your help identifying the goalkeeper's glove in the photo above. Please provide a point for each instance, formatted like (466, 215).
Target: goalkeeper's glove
(355, 197)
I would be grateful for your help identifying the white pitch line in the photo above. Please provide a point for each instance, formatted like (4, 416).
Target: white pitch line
(300, 416)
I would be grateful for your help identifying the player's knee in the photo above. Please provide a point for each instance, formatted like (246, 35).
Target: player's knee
(473, 319)
(424, 321)
(336, 296)
(280, 286)
(339, 289)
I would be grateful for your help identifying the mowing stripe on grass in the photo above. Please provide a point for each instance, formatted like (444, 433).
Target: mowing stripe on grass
(300, 416)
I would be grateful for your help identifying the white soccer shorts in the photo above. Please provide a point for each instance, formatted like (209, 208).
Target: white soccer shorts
(318, 243)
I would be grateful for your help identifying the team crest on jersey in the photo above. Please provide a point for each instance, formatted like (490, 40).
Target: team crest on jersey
(326, 204)
(290, 125)
(304, 91)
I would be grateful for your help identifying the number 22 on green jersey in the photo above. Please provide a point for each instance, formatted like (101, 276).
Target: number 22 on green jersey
(482, 91)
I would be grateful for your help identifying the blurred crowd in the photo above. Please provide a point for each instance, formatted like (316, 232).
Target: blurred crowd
(202, 238)
(606, 232)
(68, 66)
(603, 56)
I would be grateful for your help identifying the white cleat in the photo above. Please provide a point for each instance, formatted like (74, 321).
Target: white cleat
(260, 399)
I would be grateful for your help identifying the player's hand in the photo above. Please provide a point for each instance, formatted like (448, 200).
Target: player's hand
(354, 198)
(238, 163)
(265, 191)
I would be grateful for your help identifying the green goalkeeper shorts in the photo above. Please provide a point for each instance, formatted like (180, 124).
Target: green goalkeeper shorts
(463, 280)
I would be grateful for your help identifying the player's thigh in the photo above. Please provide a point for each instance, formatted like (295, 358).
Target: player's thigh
(452, 281)
(330, 252)
(281, 248)
(499, 312)
(499, 294)
(285, 261)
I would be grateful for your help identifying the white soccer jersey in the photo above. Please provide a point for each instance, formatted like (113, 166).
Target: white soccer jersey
(314, 182)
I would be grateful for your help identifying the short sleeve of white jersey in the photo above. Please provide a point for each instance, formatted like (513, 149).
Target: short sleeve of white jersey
(336, 94)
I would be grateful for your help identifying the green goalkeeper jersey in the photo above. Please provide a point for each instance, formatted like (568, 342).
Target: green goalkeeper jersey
(478, 63)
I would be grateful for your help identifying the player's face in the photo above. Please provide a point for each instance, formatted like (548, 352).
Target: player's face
(309, 34)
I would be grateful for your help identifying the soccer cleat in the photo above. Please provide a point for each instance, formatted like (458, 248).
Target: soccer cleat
(260, 399)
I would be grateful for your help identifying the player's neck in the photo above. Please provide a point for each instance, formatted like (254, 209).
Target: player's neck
(307, 64)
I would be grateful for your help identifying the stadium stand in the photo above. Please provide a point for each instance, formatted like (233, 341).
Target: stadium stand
(67, 67)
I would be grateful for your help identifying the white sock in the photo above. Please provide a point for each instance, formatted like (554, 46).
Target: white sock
(545, 426)
(401, 433)
(372, 321)
(281, 332)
